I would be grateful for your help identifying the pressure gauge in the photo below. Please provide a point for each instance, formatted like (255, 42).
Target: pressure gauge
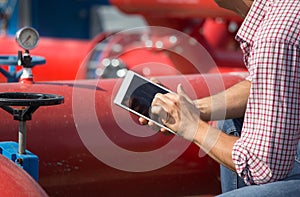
(27, 38)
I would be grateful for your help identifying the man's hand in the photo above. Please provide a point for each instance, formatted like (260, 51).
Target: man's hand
(178, 112)
(157, 110)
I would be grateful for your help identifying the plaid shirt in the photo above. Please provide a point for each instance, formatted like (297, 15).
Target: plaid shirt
(270, 40)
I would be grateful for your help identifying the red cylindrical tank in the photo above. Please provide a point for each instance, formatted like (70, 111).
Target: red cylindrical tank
(16, 182)
(89, 146)
(174, 8)
(63, 57)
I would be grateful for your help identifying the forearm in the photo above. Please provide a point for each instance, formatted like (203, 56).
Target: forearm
(216, 144)
(230, 103)
(183, 118)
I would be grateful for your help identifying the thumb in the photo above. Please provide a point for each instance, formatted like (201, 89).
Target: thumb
(181, 92)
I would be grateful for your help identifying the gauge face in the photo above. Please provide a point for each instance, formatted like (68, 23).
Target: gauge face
(27, 38)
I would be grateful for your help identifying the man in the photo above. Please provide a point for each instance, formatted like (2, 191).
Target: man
(269, 100)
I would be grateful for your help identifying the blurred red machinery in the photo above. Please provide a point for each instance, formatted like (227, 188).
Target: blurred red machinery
(65, 137)
(214, 28)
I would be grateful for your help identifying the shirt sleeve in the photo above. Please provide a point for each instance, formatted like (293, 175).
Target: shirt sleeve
(266, 150)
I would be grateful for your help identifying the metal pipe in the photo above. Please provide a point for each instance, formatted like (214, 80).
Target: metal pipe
(22, 137)
(25, 13)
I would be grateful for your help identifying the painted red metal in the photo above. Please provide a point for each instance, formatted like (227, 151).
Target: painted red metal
(174, 8)
(200, 19)
(213, 27)
(63, 57)
(16, 182)
(63, 136)
(180, 57)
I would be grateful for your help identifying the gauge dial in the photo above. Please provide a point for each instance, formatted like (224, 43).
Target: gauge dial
(27, 38)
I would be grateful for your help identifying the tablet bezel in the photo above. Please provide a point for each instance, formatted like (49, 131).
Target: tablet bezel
(127, 82)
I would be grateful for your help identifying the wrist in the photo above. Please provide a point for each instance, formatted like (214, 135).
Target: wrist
(200, 133)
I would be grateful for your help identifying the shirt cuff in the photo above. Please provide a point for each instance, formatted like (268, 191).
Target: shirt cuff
(250, 167)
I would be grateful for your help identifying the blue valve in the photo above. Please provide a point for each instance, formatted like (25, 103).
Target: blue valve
(12, 74)
(27, 161)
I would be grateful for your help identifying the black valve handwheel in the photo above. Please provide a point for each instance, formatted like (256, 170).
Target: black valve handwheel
(21, 105)
(29, 99)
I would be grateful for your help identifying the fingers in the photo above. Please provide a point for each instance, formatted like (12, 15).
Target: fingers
(164, 99)
(167, 102)
(154, 80)
(166, 109)
(175, 111)
(158, 113)
(155, 127)
(143, 121)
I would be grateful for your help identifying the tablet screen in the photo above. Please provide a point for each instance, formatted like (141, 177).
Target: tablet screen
(136, 94)
(140, 94)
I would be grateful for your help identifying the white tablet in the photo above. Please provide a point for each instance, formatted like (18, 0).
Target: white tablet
(136, 94)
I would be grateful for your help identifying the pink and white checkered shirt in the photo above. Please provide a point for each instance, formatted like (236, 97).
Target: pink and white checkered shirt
(270, 40)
